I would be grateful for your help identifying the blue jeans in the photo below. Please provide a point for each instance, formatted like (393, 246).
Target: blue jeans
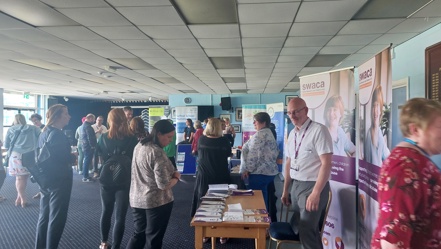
(54, 204)
(87, 162)
(260, 182)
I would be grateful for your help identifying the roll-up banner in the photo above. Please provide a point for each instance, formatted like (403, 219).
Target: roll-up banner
(275, 112)
(330, 98)
(182, 114)
(375, 97)
(155, 114)
(248, 112)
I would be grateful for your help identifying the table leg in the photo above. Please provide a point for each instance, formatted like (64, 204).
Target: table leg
(198, 238)
(261, 239)
(213, 242)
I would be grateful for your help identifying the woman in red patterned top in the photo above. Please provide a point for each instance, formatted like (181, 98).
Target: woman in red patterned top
(409, 188)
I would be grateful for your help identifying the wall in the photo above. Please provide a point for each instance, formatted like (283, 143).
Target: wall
(237, 100)
(409, 60)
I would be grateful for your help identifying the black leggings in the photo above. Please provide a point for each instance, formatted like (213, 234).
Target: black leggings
(111, 198)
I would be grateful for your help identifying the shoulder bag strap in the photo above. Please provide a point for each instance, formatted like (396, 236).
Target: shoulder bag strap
(14, 139)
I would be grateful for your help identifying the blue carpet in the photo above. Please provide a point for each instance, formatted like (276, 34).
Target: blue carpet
(17, 225)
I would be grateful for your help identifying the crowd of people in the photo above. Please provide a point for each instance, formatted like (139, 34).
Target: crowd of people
(408, 188)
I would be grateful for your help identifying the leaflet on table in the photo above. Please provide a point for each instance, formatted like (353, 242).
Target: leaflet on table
(212, 206)
(206, 202)
(218, 186)
(237, 207)
(233, 216)
(257, 219)
(213, 198)
(207, 219)
(255, 212)
(209, 209)
(242, 192)
(208, 214)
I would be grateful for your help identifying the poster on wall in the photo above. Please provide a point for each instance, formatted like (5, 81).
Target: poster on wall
(276, 114)
(330, 98)
(375, 96)
(182, 113)
(248, 112)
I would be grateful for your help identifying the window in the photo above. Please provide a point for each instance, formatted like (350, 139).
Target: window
(17, 103)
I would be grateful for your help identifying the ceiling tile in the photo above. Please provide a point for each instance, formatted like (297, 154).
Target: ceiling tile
(324, 11)
(260, 51)
(267, 13)
(259, 65)
(119, 33)
(379, 9)
(35, 13)
(316, 28)
(167, 32)
(227, 62)
(153, 73)
(431, 10)
(326, 60)
(300, 51)
(340, 49)
(55, 45)
(365, 27)
(136, 44)
(133, 63)
(372, 49)
(178, 44)
(215, 31)
(157, 15)
(150, 53)
(28, 34)
(96, 44)
(265, 30)
(231, 72)
(342, 40)
(75, 4)
(8, 22)
(222, 52)
(413, 25)
(113, 53)
(158, 61)
(305, 41)
(207, 12)
(276, 42)
(96, 16)
(72, 33)
(220, 43)
(395, 39)
(269, 58)
(187, 53)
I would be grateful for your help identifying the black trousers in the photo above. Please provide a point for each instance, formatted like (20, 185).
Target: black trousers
(272, 200)
(150, 227)
(54, 205)
(118, 199)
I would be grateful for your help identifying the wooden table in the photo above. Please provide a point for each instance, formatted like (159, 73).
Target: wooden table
(230, 229)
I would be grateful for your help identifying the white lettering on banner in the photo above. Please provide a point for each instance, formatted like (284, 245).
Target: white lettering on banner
(314, 85)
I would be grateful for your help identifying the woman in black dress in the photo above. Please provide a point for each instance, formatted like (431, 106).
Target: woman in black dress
(213, 153)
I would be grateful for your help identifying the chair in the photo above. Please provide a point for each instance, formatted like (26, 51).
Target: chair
(282, 232)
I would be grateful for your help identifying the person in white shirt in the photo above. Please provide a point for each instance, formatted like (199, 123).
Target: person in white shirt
(308, 167)
(99, 129)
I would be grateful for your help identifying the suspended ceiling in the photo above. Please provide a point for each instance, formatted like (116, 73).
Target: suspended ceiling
(137, 49)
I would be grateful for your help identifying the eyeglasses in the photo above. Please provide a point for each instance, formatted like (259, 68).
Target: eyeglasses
(296, 111)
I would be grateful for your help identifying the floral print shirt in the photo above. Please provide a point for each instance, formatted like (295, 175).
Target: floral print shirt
(409, 195)
(259, 154)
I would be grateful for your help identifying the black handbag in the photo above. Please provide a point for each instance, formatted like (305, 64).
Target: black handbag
(41, 171)
(28, 159)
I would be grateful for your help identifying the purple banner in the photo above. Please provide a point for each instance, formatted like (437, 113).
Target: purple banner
(368, 178)
(343, 169)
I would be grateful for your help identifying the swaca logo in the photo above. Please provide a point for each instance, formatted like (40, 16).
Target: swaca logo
(365, 75)
(313, 85)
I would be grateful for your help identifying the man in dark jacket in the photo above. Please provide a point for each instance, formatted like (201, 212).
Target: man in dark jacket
(88, 143)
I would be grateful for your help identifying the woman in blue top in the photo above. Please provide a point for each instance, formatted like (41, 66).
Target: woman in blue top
(25, 141)
(259, 156)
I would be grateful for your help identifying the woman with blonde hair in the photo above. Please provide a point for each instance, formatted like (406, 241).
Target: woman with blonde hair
(118, 139)
(409, 186)
(54, 202)
(20, 138)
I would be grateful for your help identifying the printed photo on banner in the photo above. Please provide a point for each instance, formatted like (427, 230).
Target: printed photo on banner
(224, 116)
(330, 98)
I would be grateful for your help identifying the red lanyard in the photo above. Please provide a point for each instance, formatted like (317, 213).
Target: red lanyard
(300, 144)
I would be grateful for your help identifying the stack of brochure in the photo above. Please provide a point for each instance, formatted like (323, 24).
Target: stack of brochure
(247, 192)
(234, 213)
(210, 211)
(256, 215)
